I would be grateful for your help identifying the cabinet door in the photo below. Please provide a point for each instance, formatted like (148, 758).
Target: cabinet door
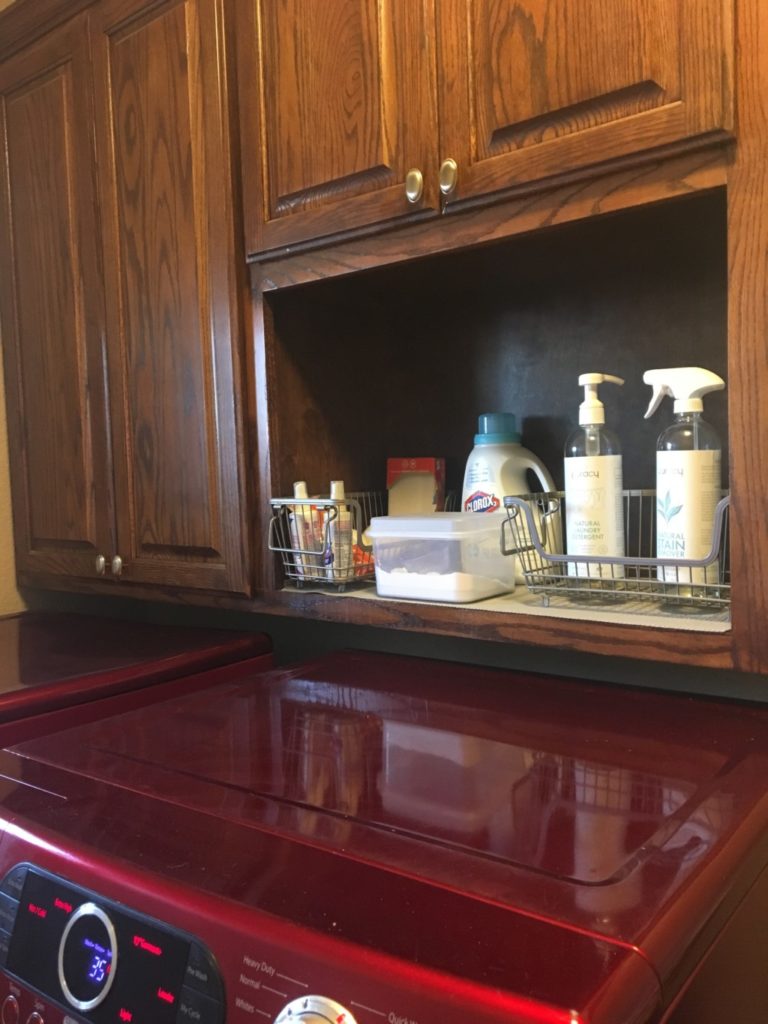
(532, 88)
(338, 104)
(51, 299)
(172, 292)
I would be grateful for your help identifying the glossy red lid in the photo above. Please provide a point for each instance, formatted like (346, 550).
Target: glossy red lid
(615, 812)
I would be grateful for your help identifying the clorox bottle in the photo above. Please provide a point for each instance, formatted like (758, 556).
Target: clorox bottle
(498, 465)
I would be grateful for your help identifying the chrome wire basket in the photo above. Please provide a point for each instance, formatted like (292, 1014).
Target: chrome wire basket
(320, 539)
(534, 529)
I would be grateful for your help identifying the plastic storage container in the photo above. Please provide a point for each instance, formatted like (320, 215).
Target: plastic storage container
(446, 556)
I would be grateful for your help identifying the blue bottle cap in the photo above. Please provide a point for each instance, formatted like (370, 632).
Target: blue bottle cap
(497, 428)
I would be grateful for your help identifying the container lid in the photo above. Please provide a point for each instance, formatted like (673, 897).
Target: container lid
(438, 525)
(497, 428)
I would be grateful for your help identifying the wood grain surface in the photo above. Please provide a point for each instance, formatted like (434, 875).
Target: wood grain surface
(338, 103)
(339, 100)
(51, 296)
(747, 347)
(539, 87)
(172, 299)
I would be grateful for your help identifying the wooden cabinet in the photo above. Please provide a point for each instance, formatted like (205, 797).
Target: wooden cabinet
(120, 319)
(432, 334)
(339, 100)
(172, 292)
(380, 327)
(536, 88)
(338, 104)
(53, 311)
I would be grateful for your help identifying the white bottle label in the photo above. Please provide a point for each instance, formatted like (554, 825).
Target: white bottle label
(338, 555)
(594, 513)
(687, 491)
(480, 485)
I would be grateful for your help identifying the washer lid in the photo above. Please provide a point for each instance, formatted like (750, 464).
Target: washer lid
(555, 796)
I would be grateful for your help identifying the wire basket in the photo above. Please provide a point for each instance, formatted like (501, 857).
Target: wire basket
(533, 531)
(320, 539)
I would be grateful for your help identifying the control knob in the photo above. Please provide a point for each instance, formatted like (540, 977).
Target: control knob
(10, 1011)
(314, 1010)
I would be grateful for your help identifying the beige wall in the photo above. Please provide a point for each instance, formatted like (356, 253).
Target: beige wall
(10, 599)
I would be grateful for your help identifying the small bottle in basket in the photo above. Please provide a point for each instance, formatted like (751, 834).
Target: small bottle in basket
(688, 482)
(337, 556)
(594, 503)
(300, 526)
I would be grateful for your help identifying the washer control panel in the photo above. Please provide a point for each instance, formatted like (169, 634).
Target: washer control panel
(107, 963)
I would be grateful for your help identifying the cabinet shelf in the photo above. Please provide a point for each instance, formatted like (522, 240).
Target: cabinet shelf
(680, 642)
(676, 639)
(432, 343)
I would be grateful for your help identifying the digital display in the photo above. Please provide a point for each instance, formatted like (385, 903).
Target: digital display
(97, 972)
(87, 957)
(148, 961)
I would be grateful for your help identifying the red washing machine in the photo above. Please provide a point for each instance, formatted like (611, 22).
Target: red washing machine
(58, 670)
(382, 840)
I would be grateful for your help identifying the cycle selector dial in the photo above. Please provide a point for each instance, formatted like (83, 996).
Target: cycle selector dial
(314, 1010)
(10, 1011)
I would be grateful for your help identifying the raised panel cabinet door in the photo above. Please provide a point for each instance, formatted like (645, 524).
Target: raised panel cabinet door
(338, 104)
(51, 301)
(173, 293)
(535, 88)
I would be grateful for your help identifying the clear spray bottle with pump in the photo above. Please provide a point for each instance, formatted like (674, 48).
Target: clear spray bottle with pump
(688, 476)
(594, 503)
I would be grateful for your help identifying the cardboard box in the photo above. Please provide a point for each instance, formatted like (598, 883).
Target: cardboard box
(415, 486)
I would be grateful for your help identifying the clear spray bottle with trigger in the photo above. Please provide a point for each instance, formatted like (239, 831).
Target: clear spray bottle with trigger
(594, 502)
(688, 478)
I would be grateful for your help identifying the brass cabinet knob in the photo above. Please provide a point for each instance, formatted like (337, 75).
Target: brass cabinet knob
(449, 176)
(414, 185)
(101, 565)
(117, 565)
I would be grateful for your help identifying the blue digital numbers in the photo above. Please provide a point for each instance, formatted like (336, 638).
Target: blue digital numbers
(98, 969)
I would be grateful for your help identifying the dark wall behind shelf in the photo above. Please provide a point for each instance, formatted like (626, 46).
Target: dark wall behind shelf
(401, 361)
